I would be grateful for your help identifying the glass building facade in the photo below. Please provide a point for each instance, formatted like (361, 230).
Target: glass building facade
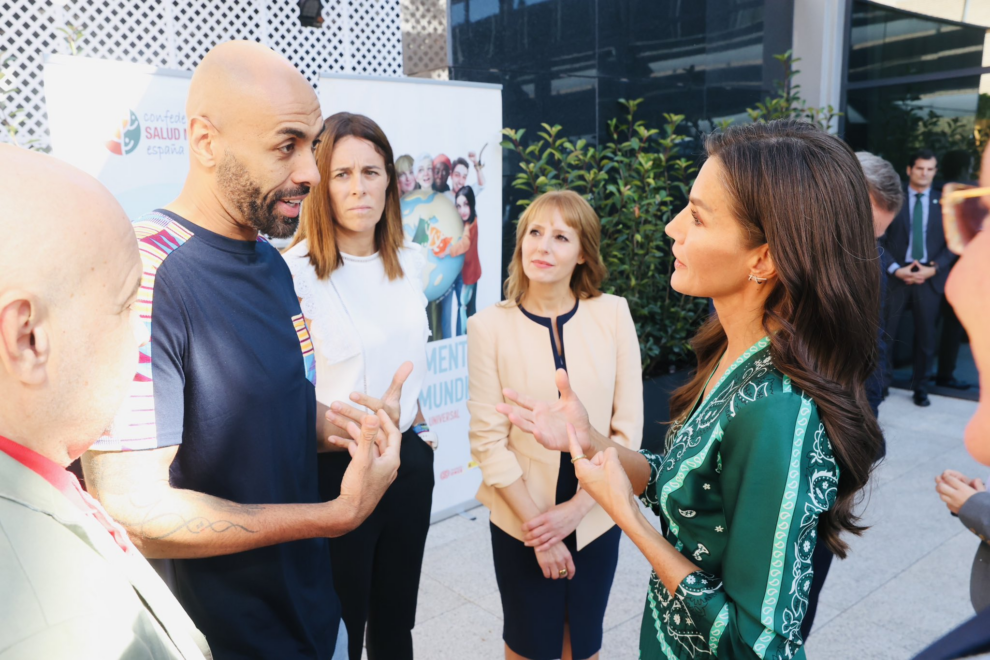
(910, 80)
(569, 62)
(915, 82)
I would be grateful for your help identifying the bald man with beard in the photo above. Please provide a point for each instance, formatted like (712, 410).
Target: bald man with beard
(73, 585)
(212, 461)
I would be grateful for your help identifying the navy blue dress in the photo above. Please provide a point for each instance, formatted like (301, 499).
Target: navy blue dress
(535, 608)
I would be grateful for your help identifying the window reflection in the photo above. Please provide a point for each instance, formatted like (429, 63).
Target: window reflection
(895, 120)
(915, 82)
(885, 43)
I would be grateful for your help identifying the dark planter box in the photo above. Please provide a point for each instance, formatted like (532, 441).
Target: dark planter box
(656, 407)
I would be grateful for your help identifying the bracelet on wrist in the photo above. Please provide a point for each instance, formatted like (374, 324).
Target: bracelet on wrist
(426, 435)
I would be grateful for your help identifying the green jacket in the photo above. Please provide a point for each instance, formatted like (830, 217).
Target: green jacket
(67, 590)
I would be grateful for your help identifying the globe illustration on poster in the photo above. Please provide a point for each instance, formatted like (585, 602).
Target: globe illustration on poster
(430, 219)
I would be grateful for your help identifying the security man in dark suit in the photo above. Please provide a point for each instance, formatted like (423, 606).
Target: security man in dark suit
(917, 262)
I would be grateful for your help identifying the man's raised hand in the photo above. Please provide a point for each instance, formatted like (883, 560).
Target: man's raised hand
(352, 420)
(374, 464)
(392, 397)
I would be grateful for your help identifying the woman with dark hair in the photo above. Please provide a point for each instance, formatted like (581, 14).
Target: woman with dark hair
(359, 285)
(773, 437)
(466, 284)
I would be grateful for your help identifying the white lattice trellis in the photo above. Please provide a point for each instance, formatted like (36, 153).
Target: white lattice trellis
(424, 36)
(357, 36)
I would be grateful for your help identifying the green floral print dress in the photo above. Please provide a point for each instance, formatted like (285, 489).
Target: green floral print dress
(740, 488)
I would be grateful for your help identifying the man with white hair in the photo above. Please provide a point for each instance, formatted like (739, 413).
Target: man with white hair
(886, 199)
(73, 585)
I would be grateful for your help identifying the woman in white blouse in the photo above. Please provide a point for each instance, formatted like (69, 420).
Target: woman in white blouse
(360, 288)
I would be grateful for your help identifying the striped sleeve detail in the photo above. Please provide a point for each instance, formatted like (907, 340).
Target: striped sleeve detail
(721, 621)
(306, 344)
(677, 482)
(785, 517)
(134, 425)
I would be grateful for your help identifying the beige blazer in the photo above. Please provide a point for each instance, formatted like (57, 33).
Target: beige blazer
(68, 591)
(506, 349)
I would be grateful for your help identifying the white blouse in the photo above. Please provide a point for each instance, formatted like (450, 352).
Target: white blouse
(364, 326)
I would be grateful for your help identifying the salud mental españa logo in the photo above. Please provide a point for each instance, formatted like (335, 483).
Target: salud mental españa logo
(125, 139)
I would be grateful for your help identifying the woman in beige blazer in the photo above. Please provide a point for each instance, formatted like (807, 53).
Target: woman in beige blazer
(555, 550)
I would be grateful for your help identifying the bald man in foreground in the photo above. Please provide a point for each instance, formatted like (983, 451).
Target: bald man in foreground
(71, 583)
(213, 460)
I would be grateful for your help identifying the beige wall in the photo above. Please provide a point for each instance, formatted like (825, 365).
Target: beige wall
(976, 12)
(819, 42)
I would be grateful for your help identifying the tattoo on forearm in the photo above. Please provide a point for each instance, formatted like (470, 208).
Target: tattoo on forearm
(155, 525)
(158, 512)
(164, 527)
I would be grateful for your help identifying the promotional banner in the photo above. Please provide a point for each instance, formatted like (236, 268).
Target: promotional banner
(445, 137)
(123, 123)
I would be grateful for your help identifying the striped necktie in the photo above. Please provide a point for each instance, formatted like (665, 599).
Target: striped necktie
(918, 229)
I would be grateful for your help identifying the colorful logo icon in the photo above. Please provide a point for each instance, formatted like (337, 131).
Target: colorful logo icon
(125, 139)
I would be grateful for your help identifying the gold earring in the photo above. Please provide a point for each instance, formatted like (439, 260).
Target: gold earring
(758, 280)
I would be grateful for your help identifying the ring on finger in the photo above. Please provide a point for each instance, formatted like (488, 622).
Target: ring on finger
(562, 572)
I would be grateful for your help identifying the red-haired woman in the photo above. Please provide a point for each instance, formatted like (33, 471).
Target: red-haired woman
(555, 550)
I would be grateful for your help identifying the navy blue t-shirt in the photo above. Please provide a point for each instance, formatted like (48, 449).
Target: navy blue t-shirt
(229, 377)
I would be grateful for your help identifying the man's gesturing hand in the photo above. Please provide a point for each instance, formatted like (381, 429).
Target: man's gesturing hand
(393, 395)
(548, 421)
(374, 465)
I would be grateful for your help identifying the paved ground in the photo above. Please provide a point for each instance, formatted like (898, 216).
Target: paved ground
(905, 583)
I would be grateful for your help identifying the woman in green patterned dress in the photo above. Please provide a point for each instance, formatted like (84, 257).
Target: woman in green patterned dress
(773, 438)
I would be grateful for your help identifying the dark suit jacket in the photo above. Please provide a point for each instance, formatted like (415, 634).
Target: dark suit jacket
(895, 240)
(875, 382)
(968, 639)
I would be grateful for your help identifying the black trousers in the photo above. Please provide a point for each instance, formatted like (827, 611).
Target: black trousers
(376, 567)
(949, 343)
(924, 302)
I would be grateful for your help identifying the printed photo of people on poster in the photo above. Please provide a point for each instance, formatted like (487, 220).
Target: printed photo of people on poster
(440, 212)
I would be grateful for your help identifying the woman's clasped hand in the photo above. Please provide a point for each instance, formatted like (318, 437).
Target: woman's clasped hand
(554, 525)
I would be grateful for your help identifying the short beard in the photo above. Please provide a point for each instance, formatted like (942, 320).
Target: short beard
(256, 208)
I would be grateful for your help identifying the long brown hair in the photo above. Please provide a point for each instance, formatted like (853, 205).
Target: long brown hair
(317, 222)
(802, 192)
(579, 216)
